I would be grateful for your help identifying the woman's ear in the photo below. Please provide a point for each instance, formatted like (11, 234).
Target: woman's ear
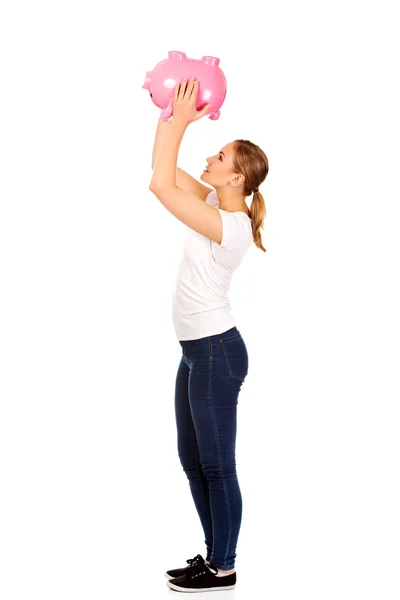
(237, 181)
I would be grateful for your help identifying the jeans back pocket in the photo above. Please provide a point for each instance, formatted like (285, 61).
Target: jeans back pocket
(235, 353)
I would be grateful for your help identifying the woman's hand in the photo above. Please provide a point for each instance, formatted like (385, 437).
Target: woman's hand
(184, 104)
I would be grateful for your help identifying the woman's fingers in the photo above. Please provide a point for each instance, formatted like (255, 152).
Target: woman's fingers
(182, 89)
(176, 92)
(186, 89)
(193, 90)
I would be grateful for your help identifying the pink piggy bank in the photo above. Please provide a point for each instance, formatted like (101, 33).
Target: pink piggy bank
(166, 74)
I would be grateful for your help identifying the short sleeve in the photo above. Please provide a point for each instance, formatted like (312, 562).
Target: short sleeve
(212, 198)
(235, 229)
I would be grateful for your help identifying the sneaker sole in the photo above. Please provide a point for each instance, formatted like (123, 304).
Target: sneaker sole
(214, 589)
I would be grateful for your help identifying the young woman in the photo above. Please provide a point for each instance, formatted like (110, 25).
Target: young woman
(214, 362)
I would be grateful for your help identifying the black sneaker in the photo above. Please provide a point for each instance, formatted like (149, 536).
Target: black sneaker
(202, 578)
(179, 572)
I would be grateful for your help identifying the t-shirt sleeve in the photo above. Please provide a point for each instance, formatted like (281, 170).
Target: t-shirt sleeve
(234, 229)
(212, 198)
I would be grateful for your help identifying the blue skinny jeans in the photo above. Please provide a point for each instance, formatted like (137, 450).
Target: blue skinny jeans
(209, 378)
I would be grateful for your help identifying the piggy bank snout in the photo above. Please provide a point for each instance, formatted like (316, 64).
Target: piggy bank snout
(147, 81)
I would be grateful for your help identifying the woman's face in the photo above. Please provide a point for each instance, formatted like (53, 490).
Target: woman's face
(219, 168)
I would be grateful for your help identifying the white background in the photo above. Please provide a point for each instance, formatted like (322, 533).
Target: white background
(94, 502)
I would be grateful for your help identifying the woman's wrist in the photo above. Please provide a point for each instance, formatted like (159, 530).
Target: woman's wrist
(161, 133)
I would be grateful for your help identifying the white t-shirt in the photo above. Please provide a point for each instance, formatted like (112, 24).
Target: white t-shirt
(200, 300)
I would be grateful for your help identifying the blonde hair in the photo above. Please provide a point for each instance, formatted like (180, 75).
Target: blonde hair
(252, 162)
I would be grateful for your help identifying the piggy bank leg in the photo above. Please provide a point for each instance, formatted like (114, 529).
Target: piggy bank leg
(210, 60)
(167, 111)
(176, 55)
(215, 116)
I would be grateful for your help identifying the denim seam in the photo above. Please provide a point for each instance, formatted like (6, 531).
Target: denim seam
(231, 339)
(219, 457)
(199, 469)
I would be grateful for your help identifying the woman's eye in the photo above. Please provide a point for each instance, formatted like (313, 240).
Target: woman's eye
(220, 157)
